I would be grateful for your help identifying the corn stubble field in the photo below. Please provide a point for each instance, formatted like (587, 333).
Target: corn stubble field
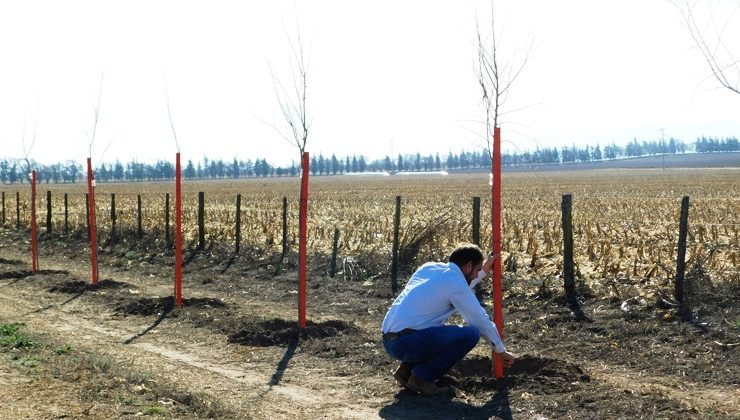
(625, 222)
(625, 225)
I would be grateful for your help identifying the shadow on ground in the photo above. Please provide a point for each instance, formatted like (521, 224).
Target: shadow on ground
(407, 404)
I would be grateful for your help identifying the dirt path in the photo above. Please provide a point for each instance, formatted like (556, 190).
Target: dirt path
(215, 369)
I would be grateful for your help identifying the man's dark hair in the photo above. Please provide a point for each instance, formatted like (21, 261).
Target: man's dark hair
(465, 253)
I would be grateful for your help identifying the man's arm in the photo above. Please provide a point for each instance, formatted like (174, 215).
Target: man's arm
(471, 311)
(467, 304)
(486, 270)
(463, 299)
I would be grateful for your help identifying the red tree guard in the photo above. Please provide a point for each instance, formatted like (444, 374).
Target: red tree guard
(178, 232)
(34, 244)
(498, 368)
(93, 231)
(303, 222)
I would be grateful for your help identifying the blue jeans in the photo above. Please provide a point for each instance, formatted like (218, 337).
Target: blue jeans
(433, 351)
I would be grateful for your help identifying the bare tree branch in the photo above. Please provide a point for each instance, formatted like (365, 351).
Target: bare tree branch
(277, 130)
(294, 105)
(288, 109)
(494, 78)
(717, 54)
(107, 146)
(96, 115)
(27, 151)
(169, 114)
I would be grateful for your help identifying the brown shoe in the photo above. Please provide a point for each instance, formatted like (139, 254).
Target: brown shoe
(426, 388)
(402, 374)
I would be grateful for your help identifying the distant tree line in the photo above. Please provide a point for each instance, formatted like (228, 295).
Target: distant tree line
(711, 145)
(13, 171)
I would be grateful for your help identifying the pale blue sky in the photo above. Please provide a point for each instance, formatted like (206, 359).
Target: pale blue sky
(380, 71)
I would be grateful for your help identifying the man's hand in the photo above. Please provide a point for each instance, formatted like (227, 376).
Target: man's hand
(507, 358)
(488, 264)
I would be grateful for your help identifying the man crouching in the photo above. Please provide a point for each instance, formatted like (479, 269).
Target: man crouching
(414, 329)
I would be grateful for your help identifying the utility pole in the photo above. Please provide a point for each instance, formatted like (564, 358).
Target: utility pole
(662, 144)
(393, 158)
(394, 168)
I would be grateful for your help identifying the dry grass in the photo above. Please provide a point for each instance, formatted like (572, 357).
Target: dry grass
(625, 222)
(94, 378)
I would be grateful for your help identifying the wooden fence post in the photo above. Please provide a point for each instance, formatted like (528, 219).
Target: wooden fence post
(3, 207)
(113, 215)
(48, 213)
(138, 205)
(17, 210)
(66, 215)
(334, 250)
(167, 219)
(285, 226)
(476, 220)
(201, 221)
(476, 240)
(284, 242)
(569, 281)
(396, 234)
(683, 227)
(238, 223)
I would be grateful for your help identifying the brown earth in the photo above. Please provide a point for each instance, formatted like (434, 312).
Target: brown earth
(234, 350)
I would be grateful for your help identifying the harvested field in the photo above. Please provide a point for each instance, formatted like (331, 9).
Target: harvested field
(235, 349)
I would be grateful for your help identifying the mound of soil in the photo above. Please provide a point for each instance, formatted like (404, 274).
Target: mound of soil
(15, 274)
(275, 332)
(551, 375)
(20, 274)
(42, 272)
(79, 286)
(154, 306)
